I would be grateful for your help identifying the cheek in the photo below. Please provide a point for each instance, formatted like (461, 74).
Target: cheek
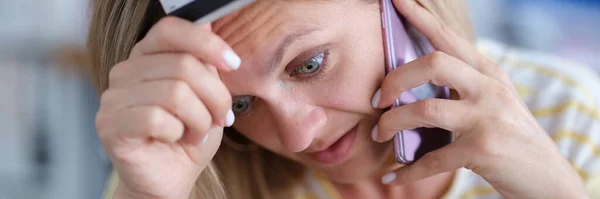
(259, 128)
(358, 78)
(364, 63)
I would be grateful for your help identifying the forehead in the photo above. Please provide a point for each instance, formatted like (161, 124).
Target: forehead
(265, 20)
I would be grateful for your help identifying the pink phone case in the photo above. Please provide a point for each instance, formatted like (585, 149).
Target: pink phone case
(410, 145)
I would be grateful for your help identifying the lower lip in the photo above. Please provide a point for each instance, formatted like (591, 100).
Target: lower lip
(337, 152)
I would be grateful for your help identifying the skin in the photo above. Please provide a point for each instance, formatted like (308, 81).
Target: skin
(294, 114)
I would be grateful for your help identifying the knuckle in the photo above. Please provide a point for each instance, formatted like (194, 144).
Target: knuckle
(487, 150)
(493, 69)
(154, 122)
(104, 125)
(497, 70)
(444, 30)
(117, 72)
(432, 161)
(503, 93)
(185, 65)
(429, 109)
(107, 97)
(437, 59)
(484, 145)
(219, 101)
(162, 28)
(179, 91)
(165, 24)
(101, 121)
(166, 21)
(213, 43)
(204, 124)
(135, 50)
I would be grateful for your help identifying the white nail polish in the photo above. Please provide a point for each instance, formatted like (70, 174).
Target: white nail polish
(230, 119)
(376, 99)
(233, 60)
(374, 133)
(388, 178)
(204, 139)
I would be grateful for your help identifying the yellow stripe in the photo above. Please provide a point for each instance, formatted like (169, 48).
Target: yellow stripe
(584, 176)
(581, 138)
(564, 78)
(546, 112)
(593, 185)
(523, 90)
(478, 191)
(584, 141)
(327, 186)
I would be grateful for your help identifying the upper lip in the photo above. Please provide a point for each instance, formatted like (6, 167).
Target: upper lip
(320, 146)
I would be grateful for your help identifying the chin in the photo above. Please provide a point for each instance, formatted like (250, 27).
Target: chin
(365, 161)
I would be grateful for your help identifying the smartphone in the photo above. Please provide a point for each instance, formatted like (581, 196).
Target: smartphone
(202, 11)
(403, 44)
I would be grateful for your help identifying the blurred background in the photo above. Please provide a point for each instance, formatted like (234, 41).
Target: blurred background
(48, 145)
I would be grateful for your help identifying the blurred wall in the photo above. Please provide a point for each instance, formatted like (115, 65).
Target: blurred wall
(568, 28)
(48, 146)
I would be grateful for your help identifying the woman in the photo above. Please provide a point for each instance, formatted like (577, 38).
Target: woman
(310, 97)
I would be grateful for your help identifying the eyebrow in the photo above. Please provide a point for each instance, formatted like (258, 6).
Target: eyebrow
(285, 43)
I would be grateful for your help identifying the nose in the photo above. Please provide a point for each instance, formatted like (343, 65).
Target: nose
(298, 123)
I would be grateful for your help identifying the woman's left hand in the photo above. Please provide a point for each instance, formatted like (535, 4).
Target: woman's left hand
(495, 134)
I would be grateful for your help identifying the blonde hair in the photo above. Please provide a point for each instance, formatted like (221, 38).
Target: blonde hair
(116, 26)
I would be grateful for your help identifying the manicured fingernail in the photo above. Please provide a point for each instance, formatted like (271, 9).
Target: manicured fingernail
(376, 99)
(233, 60)
(374, 133)
(388, 178)
(204, 139)
(230, 119)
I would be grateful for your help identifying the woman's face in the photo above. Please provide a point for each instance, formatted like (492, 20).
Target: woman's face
(304, 90)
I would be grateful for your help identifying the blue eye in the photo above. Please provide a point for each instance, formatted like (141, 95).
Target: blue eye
(313, 65)
(241, 105)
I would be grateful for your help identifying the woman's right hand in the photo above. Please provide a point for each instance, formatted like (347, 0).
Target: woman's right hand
(161, 119)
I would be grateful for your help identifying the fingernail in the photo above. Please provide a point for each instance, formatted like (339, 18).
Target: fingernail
(230, 119)
(376, 99)
(388, 178)
(204, 139)
(233, 60)
(374, 133)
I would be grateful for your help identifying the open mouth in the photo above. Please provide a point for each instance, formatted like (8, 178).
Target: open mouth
(338, 151)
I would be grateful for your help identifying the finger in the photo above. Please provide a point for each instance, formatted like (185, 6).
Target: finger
(141, 122)
(207, 85)
(450, 115)
(204, 152)
(446, 40)
(442, 37)
(453, 14)
(172, 34)
(446, 159)
(176, 97)
(437, 68)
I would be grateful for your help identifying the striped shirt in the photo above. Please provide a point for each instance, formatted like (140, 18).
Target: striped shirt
(563, 96)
